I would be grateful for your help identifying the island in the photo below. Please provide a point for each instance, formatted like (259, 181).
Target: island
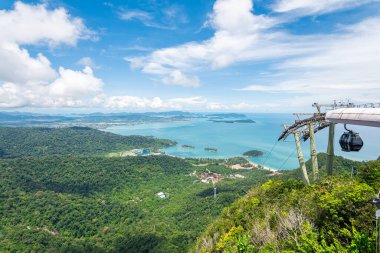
(227, 115)
(233, 121)
(211, 149)
(253, 153)
(187, 146)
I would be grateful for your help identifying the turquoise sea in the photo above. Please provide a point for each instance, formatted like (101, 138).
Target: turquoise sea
(233, 139)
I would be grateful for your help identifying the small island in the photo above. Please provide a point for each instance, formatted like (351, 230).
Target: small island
(233, 121)
(187, 146)
(227, 115)
(211, 149)
(253, 153)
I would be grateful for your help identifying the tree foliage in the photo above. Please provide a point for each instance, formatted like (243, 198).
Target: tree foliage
(334, 215)
(370, 173)
(104, 204)
(44, 141)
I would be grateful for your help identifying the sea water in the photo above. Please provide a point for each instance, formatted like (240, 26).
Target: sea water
(233, 139)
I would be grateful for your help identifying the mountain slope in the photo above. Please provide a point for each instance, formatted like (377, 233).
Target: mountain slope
(110, 204)
(43, 141)
(333, 215)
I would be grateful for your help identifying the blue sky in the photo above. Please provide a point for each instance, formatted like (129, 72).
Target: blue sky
(199, 55)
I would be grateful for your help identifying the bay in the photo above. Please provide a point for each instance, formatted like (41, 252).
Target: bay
(233, 139)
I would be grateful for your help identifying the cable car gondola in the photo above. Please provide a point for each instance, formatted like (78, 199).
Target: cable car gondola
(350, 141)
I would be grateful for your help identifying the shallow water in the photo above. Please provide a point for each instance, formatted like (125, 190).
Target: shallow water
(233, 139)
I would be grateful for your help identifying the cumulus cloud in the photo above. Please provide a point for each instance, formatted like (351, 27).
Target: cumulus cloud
(76, 83)
(176, 77)
(10, 96)
(28, 81)
(313, 67)
(31, 81)
(325, 66)
(70, 89)
(31, 24)
(18, 66)
(240, 35)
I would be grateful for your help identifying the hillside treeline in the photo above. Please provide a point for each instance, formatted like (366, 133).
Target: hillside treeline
(44, 141)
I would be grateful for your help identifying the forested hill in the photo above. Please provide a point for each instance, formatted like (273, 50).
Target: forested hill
(110, 204)
(59, 193)
(342, 167)
(335, 214)
(43, 141)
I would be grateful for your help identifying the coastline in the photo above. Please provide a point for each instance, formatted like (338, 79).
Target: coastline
(263, 167)
(239, 166)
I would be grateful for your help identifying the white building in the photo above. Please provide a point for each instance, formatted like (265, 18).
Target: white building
(161, 195)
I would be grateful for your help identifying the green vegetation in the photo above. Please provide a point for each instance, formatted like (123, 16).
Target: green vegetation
(333, 215)
(370, 174)
(342, 167)
(60, 191)
(67, 203)
(253, 153)
(43, 141)
(238, 160)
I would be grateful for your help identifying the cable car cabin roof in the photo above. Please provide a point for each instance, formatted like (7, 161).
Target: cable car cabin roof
(355, 116)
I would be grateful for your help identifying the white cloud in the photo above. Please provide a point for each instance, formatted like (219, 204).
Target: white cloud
(76, 84)
(308, 7)
(235, 16)
(18, 66)
(70, 89)
(31, 81)
(176, 77)
(342, 66)
(339, 65)
(142, 16)
(239, 36)
(31, 24)
(156, 103)
(313, 68)
(175, 14)
(133, 102)
(10, 96)
(88, 62)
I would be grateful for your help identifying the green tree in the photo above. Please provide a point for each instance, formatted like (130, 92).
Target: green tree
(370, 174)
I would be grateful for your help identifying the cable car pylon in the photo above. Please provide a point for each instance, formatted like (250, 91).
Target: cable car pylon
(338, 112)
(300, 158)
(330, 150)
(316, 119)
(313, 153)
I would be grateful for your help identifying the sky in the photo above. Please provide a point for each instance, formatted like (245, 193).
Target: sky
(198, 55)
